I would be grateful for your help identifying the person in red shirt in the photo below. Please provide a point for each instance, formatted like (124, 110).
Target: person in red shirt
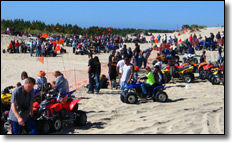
(190, 38)
(17, 46)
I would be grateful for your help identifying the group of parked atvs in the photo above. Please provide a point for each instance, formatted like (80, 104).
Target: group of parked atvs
(213, 72)
(50, 110)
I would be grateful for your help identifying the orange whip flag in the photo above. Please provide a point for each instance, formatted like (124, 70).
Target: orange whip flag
(61, 41)
(195, 29)
(156, 40)
(44, 36)
(57, 48)
(41, 59)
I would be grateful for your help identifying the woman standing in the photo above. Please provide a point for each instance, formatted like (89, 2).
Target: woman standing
(97, 73)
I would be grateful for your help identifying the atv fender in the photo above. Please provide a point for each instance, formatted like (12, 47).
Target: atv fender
(57, 107)
(35, 104)
(157, 88)
(133, 86)
(73, 103)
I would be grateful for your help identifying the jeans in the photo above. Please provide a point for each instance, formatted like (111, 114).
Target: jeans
(37, 53)
(140, 62)
(30, 125)
(91, 80)
(31, 50)
(144, 87)
(123, 85)
(145, 62)
(17, 49)
(97, 79)
(219, 58)
(98, 49)
(136, 61)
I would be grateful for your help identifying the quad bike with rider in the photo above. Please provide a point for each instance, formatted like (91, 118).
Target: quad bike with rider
(52, 112)
(133, 92)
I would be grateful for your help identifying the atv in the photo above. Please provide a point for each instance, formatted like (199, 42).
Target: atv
(132, 92)
(56, 109)
(182, 72)
(6, 98)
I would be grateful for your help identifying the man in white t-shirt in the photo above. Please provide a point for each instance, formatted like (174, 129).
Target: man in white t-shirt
(127, 74)
(119, 67)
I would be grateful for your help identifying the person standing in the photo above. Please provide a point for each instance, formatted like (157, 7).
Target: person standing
(136, 54)
(146, 54)
(170, 40)
(119, 67)
(112, 55)
(219, 54)
(42, 49)
(17, 46)
(97, 73)
(158, 38)
(21, 111)
(127, 74)
(218, 37)
(113, 73)
(31, 48)
(91, 72)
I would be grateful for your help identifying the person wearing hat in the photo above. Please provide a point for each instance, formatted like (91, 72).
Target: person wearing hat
(41, 81)
(136, 72)
(149, 81)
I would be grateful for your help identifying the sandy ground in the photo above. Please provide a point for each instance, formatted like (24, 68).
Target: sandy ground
(197, 110)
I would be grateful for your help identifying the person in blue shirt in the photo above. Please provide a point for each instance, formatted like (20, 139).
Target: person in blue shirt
(61, 84)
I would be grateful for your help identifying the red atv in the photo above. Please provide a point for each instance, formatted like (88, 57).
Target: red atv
(51, 113)
(207, 70)
(56, 109)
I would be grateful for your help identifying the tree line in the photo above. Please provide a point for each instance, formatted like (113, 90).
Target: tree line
(40, 27)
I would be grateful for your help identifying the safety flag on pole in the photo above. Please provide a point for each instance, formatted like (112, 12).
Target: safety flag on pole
(57, 48)
(41, 59)
(44, 36)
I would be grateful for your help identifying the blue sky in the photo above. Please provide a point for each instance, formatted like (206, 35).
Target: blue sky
(119, 14)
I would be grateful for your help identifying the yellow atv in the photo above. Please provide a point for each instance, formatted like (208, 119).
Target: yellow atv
(184, 72)
(6, 98)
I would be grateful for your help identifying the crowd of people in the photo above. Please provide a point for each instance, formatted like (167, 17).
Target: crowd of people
(123, 67)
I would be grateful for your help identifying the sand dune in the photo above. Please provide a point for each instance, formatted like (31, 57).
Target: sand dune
(197, 110)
